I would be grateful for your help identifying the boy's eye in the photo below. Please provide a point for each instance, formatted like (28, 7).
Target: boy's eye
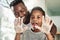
(38, 17)
(32, 17)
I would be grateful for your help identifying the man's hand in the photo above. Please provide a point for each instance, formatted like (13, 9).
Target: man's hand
(18, 25)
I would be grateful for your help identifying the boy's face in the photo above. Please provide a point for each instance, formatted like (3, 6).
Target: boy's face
(36, 18)
(20, 10)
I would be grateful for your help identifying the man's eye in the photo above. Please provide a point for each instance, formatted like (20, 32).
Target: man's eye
(22, 11)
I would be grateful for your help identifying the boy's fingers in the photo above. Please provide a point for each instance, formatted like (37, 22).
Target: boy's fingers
(43, 20)
(51, 24)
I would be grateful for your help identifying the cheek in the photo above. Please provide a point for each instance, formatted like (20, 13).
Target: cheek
(16, 15)
(30, 21)
(22, 14)
(40, 22)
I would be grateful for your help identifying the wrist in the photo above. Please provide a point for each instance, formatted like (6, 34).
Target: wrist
(49, 36)
(19, 33)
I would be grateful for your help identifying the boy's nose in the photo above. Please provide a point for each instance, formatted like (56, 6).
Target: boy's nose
(34, 20)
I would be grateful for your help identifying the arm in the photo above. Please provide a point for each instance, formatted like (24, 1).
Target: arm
(50, 36)
(17, 28)
(17, 37)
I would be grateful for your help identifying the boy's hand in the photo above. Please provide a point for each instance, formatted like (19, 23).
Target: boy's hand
(46, 25)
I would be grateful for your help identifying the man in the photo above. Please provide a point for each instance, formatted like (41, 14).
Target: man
(20, 11)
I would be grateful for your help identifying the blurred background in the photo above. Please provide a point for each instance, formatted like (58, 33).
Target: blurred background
(51, 7)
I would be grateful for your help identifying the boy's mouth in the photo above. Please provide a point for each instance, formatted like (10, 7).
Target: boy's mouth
(35, 26)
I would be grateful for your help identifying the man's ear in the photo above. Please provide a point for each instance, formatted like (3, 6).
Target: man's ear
(26, 9)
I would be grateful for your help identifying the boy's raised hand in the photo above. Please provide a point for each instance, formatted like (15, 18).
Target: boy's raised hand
(46, 24)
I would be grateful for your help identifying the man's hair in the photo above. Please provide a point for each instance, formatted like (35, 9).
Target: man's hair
(15, 2)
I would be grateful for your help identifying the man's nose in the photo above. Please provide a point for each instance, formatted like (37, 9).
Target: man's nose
(20, 13)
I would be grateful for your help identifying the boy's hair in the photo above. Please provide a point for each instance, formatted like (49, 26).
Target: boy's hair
(15, 2)
(40, 9)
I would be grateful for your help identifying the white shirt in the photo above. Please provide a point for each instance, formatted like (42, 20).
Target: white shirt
(30, 35)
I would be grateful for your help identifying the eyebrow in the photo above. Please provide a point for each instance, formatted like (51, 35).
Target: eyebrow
(24, 8)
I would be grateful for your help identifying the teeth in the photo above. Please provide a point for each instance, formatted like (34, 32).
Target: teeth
(37, 27)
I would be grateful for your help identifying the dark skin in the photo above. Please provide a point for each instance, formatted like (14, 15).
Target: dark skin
(19, 11)
(36, 19)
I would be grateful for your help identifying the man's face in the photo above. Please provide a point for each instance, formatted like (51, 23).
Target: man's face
(20, 10)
